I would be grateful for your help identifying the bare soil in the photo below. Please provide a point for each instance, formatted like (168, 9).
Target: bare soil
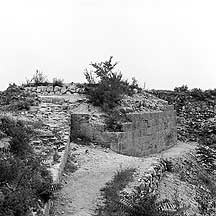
(96, 166)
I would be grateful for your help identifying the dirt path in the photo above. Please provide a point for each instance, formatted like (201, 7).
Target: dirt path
(81, 190)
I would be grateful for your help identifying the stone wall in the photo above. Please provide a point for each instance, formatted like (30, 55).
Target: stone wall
(148, 181)
(145, 133)
(66, 89)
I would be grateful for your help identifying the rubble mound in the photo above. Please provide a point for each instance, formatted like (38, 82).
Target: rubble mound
(142, 101)
(15, 98)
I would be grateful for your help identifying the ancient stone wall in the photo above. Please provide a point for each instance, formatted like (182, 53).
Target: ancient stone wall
(145, 133)
(148, 180)
(66, 89)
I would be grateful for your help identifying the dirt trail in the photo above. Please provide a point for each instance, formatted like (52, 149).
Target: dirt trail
(81, 190)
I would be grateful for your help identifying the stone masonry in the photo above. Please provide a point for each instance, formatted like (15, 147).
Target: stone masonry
(146, 132)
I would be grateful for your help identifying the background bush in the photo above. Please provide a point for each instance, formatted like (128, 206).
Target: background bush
(105, 88)
(15, 98)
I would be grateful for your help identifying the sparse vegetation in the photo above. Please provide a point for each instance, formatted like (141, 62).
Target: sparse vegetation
(147, 204)
(111, 193)
(138, 204)
(19, 133)
(38, 79)
(70, 165)
(57, 82)
(25, 183)
(105, 88)
(15, 98)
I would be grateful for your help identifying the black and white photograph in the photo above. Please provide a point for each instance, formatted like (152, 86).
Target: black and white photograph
(107, 108)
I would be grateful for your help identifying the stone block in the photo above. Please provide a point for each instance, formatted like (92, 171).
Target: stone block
(147, 132)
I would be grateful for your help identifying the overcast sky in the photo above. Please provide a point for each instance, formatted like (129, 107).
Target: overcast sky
(163, 43)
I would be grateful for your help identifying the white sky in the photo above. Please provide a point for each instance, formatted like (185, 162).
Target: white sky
(164, 43)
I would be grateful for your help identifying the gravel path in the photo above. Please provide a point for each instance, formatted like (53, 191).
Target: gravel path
(81, 189)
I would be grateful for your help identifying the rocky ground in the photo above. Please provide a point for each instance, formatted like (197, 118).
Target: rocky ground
(96, 166)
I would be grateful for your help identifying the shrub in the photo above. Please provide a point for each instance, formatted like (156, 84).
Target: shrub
(57, 82)
(114, 120)
(147, 204)
(105, 88)
(112, 123)
(207, 145)
(16, 98)
(24, 181)
(38, 79)
(111, 193)
(19, 133)
(138, 204)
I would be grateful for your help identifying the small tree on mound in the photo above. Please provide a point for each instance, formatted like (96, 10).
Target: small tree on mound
(105, 87)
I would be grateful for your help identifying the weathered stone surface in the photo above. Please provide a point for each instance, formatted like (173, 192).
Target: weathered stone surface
(147, 133)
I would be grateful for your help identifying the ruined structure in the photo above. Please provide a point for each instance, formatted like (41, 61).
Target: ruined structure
(145, 132)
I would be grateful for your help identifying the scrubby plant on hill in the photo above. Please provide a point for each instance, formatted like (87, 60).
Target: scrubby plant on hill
(25, 183)
(16, 98)
(111, 193)
(138, 204)
(40, 79)
(105, 88)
